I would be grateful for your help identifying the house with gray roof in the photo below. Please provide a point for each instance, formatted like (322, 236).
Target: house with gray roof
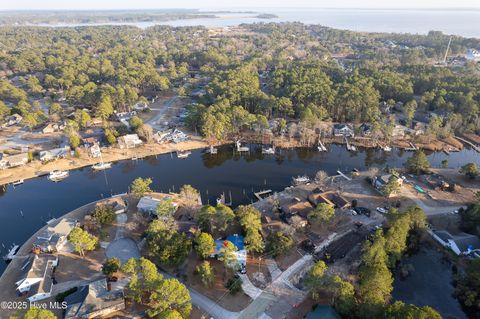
(54, 237)
(460, 244)
(36, 277)
(94, 300)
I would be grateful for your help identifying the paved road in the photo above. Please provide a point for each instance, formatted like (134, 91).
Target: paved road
(157, 121)
(429, 210)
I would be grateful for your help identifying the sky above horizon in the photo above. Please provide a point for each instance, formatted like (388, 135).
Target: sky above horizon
(225, 4)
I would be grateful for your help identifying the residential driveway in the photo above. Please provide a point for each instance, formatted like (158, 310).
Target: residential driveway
(211, 307)
(123, 249)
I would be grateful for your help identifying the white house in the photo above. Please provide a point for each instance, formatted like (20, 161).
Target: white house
(148, 204)
(129, 141)
(461, 244)
(341, 129)
(36, 278)
(54, 154)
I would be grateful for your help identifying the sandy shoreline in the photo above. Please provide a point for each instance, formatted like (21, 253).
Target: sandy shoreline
(114, 154)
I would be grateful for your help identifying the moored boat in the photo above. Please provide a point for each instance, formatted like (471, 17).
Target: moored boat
(101, 166)
(13, 250)
(57, 175)
(18, 182)
(183, 154)
(299, 180)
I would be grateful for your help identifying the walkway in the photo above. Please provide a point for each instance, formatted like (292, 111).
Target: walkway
(248, 288)
(280, 292)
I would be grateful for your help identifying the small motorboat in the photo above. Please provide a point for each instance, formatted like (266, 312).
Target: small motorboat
(12, 251)
(57, 176)
(18, 182)
(268, 150)
(101, 166)
(212, 150)
(183, 154)
(300, 180)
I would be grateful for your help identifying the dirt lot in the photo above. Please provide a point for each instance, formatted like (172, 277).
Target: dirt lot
(257, 271)
(217, 292)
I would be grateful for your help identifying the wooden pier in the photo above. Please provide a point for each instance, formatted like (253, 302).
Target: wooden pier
(475, 147)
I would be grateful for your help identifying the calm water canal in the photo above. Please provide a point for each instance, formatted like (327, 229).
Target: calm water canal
(26, 208)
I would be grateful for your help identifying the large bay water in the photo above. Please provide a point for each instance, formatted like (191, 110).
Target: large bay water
(464, 22)
(26, 208)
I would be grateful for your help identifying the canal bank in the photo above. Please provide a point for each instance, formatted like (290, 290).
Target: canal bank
(26, 208)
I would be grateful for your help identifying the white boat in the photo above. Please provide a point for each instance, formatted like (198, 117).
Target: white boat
(212, 150)
(241, 148)
(11, 253)
(299, 180)
(268, 150)
(101, 166)
(387, 149)
(56, 176)
(19, 182)
(321, 147)
(183, 154)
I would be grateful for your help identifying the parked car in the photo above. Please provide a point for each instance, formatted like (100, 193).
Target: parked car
(381, 210)
(363, 210)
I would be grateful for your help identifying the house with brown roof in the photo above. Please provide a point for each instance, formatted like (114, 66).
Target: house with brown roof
(129, 141)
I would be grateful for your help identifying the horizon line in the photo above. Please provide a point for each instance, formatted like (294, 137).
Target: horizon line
(233, 9)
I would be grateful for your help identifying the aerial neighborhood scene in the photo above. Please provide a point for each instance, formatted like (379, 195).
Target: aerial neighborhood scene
(240, 159)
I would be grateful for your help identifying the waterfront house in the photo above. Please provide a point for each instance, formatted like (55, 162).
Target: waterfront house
(14, 119)
(330, 198)
(129, 141)
(95, 300)
(379, 182)
(460, 244)
(240, 252)
(54, 154)
(365, 129)
(54, 237)
(16, 160)
(90, 141)
(95, 151)
(295, 212)
(341, 129)
(116, 202)
(148, 205)
(36, 277)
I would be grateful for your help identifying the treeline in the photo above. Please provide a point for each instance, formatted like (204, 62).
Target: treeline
(381, 254)
(274, 71)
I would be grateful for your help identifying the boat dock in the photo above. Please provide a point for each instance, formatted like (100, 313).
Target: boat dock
(475, 147)
(321, 147)
(263, 194)
(343, 175)
(350, 148)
